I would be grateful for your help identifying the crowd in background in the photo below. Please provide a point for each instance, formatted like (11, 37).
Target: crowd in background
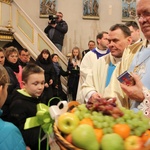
(31, 83)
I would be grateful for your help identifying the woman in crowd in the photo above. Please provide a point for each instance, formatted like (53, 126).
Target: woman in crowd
(74, 72)
(14, 84)
(45, 62)
(12, 54)
(57, 82)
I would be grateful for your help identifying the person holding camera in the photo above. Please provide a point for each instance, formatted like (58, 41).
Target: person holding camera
(56, 29)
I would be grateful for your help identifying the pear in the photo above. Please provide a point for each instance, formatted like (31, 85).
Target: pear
(84, 137)
(112, 141)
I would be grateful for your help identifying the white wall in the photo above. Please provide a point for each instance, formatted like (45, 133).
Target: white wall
(80, 30)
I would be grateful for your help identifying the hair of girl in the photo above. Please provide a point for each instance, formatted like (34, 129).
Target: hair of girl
(79, 55)
(4, 77)
(40, 57)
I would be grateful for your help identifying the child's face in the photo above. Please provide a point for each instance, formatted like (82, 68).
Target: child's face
(35, 84)
(75, 52)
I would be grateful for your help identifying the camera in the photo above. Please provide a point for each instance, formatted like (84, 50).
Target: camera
(53, 19)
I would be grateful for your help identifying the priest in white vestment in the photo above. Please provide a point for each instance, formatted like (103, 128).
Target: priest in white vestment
(96, 82)
(136, 59)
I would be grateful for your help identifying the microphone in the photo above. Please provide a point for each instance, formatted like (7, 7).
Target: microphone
(75, 58)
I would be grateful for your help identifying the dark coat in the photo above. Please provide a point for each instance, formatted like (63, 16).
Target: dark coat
(73, 79)
(21, 108)
(22, 63)
(14, 84)
(57, 82)
(84, 52)
(59, 32)
(49, 73)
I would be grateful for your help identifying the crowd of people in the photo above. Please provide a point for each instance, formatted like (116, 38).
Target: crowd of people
(133, 54)
(31, 83)
(23, 85)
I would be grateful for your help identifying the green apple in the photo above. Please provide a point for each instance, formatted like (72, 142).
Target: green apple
(67, 122)
(84, 137)
(112, 141)
(133, 143)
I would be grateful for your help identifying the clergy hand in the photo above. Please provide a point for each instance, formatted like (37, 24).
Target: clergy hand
(134, 92)
(95, 96)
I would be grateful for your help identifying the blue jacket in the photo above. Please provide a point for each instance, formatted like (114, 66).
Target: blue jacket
(10, 137)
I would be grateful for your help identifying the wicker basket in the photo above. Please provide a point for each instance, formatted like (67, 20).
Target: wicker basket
(64, 145)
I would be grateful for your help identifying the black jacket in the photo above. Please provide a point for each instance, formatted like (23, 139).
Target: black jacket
(57, 82)
(84, 52)
(14, 84)
(22, 63)
(49, 73)
(48, 68)
(21, 108)
(73, 77)
(59, 32)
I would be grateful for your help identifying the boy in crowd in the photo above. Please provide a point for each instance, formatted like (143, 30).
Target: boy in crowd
(24, 104)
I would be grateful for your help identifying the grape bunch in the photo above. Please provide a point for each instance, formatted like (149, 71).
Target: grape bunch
(137, 121)
(106, 106)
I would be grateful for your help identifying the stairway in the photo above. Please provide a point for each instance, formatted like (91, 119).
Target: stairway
(22, 28)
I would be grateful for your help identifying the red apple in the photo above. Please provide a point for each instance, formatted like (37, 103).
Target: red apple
(69, 138)
(133, 143)
(67, 122)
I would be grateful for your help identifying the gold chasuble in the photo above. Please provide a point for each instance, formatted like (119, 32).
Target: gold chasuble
(114, 89)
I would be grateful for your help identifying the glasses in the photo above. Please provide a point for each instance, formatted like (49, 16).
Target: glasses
(144, 15)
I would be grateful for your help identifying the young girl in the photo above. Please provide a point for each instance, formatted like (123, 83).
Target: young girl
(45, 62)
(10, 136)
(24, 104)
(74, 72)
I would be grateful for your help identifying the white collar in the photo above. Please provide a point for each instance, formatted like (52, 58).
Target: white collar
(101, 51)
(117, 59)
(139, 40)
(114, 60)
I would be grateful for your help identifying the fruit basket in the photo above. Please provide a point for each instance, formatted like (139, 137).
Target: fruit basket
(105, 118)
(64, 145)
